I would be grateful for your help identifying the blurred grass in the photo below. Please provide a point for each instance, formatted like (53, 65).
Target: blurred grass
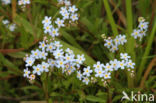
(96, 17)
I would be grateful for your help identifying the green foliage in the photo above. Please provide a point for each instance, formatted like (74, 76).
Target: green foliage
(96, 17)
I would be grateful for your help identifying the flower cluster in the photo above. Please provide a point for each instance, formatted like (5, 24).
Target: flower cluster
(102, 71)
(142, 28)
(6, 2)
(51, 56)
(66, 2)
(112, 45)
(68, 13)
(23, 2)
(11, 27)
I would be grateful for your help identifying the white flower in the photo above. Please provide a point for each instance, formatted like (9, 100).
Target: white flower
(123, 39)
(26, 2)
(29, 61)
(108, 43)
(47, 28)
(86, 80)
(37, 69)
(74, 17)
(117, 40)
(12, 27)
(87, 71)
(80, 59)
(51, 62)
(73, 9)
(58, 53)
(70, 51)
(26, 73)
(45, 66)
(5, 22)
(107, 75)
(42, 45)
(130, 64)
(60, 63)
(50, 47)
(57, 44)
(36, 54)
(47, 20)
(98, 66)
(79, 75)
(54, 32)
(115, 64)
(63, 10)
(65, 15)
(43, 55)
(108, 67)
(32, 77)
(69, 58)
(122, 64)
(59, 22)
(136, 33)
(114, 48)
(143, 25)
(99, 73)
(6, 2)
(124, 56)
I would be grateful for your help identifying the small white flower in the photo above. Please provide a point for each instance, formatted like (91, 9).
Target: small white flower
(36, 54)
(108, 43)
(51, 62)
(63, 10)
(47, 28)
(80, 59)
(114, 48)
(45, 66)
(37, 69)
(124, 56)
(47, 20)
(123, 39)
(73, 9)
(50, 47)
(99, 73)
(54, 32)
(43, 55)
(69, 58)
(122, 64)
(108, 67)
(60, 63)
(26, 73)
(12, 27)
(115, 64)
(58, 53)
(57, 44)
(42, 45)
(117, 40)
(136, 33)
(70, 51)
(5, 22)
(29, 61)
(32, 77)
(87, 71)
(130, 64)
(59, 22)
(74, 17)
(107, 75)
(86, 80)
(98, 66)
(79, 75)
(143, 25)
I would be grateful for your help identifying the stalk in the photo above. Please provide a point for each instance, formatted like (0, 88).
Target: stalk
(130, 39)
(110, 18)
(146, 53)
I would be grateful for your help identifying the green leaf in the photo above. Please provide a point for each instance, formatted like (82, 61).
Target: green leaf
(94, 99)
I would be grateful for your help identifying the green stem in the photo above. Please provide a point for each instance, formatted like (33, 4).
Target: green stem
(146, 53)
(110, 17)
(130, 39)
